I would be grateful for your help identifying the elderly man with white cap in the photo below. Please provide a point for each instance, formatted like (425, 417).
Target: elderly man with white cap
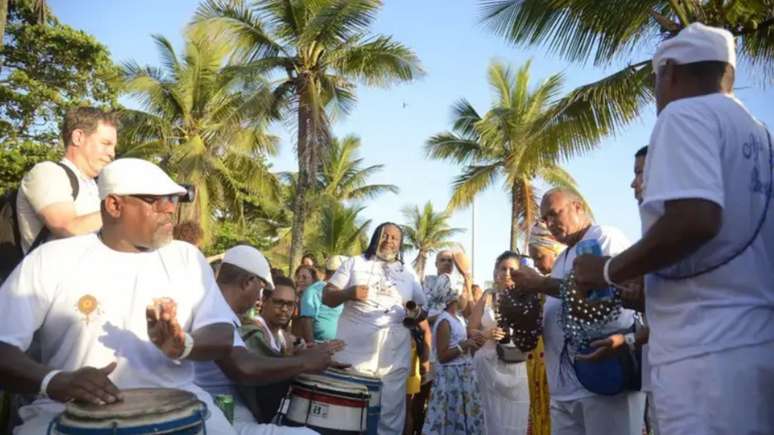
(707, 246)
(242, 277)
(127, 307)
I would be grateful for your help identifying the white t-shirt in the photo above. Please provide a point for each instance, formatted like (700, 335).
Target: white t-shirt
(565, 386)
(711, 147)
(88, 303)
(211, 378)
(47, 184)
(390, 286)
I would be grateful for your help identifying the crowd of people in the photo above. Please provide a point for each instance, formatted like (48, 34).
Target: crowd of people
(670, 335)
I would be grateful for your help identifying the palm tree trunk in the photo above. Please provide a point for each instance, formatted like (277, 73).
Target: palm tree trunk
(302, 185)
(514, 218)
(3, 20)
(421, 260)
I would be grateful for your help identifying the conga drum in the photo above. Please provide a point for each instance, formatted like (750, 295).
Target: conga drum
(326, 405)
(142, 411)
(374, 386)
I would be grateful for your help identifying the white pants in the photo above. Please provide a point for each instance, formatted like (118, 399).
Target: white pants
(36, 420)
(728, 392)
(622, 414)
(244, 424)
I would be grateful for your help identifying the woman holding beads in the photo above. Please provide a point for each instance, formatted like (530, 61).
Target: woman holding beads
(503, 386)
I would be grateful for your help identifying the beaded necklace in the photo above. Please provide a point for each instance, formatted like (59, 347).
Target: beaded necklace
(520, 315)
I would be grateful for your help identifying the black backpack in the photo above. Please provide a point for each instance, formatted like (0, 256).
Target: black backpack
(11, 253)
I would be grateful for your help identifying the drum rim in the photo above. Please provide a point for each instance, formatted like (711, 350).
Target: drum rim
(77, 411)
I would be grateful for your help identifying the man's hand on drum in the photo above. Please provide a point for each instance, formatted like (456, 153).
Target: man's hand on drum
(163, 329)
(88, 384)
(358, 292)
(319, 357)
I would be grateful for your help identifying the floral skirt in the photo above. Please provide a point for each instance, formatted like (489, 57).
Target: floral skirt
(455, 404)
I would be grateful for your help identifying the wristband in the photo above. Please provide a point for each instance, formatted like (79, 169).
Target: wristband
(46, 380)
(188, 344)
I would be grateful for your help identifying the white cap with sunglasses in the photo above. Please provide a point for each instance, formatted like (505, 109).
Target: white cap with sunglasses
(131, 176)
(251, 260)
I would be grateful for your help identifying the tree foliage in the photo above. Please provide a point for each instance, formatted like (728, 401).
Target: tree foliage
(47, 68)
(427, 231)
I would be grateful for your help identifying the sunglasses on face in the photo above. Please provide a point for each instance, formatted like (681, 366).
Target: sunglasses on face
(157, 201)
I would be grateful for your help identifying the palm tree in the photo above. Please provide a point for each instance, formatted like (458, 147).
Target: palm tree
(343, 177)
(320, 48)
(341, 232)
(583, 29)
(427, 232)
(522, 138)
(204, 123)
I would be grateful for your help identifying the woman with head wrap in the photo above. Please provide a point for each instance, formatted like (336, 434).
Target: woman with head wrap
(543, 249)
(374, 288)
(455, 402)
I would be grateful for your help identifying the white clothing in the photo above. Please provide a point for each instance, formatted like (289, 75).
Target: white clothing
(457, 334)
(377, 342)
(87, 303)
(277, 344)
(621, 414)
(504, 387)
(211, 378)
(563, 384)
(244, 424)
(47, 184)
(710, 147)
(718, 393)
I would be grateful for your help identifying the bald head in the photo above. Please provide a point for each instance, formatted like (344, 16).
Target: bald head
(444, 262)
(564, 213)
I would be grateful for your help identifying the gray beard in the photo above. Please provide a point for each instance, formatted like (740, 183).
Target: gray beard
(388, 257)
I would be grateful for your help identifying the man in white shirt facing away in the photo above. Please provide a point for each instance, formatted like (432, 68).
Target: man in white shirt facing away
(707, 248)
(125, 308)
(46, 199)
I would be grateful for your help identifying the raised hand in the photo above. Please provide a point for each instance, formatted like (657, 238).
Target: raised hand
(163, 329)
(358, 293)
(527, 278)
(88, 384)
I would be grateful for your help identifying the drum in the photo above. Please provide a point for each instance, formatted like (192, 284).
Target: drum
(143, 411)
(374, 386)
(326, 405)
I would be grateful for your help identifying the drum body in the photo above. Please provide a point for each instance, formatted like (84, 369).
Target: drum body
(142, 411)
(327, 405)
(374, 386)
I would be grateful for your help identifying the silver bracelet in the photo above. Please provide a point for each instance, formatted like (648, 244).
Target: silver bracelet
(46, 380)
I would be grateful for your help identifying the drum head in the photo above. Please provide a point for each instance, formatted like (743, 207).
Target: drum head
(137, 402)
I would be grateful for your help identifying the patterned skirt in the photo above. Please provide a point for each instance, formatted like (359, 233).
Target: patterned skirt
(455, 404)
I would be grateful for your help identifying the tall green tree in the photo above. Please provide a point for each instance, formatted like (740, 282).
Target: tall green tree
(47, 68)
(427, 231)
(320, 48)
(343, 177)
(582, 30)
(203, 120)
(341, 231)
(522, 138)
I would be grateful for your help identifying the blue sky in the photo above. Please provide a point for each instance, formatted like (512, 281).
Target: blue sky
(455, 50)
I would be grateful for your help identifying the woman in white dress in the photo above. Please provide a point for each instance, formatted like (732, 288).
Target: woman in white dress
(504, 386)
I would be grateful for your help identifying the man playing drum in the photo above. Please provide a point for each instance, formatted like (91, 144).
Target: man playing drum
(124, 308)
(375, 287)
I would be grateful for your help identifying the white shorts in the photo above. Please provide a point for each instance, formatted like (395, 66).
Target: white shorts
(728, 392)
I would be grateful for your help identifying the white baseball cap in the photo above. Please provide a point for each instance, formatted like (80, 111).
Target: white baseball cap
(697, 43)
(135, 177)
(335, 261)
(251, 260)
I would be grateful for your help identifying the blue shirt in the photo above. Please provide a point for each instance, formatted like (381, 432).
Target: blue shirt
(326, 319)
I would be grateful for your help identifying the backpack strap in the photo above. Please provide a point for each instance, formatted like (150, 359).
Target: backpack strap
(75, 187)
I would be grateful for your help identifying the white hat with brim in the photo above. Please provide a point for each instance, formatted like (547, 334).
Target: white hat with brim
(130, 176)
(250, 259)
(697, 43)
